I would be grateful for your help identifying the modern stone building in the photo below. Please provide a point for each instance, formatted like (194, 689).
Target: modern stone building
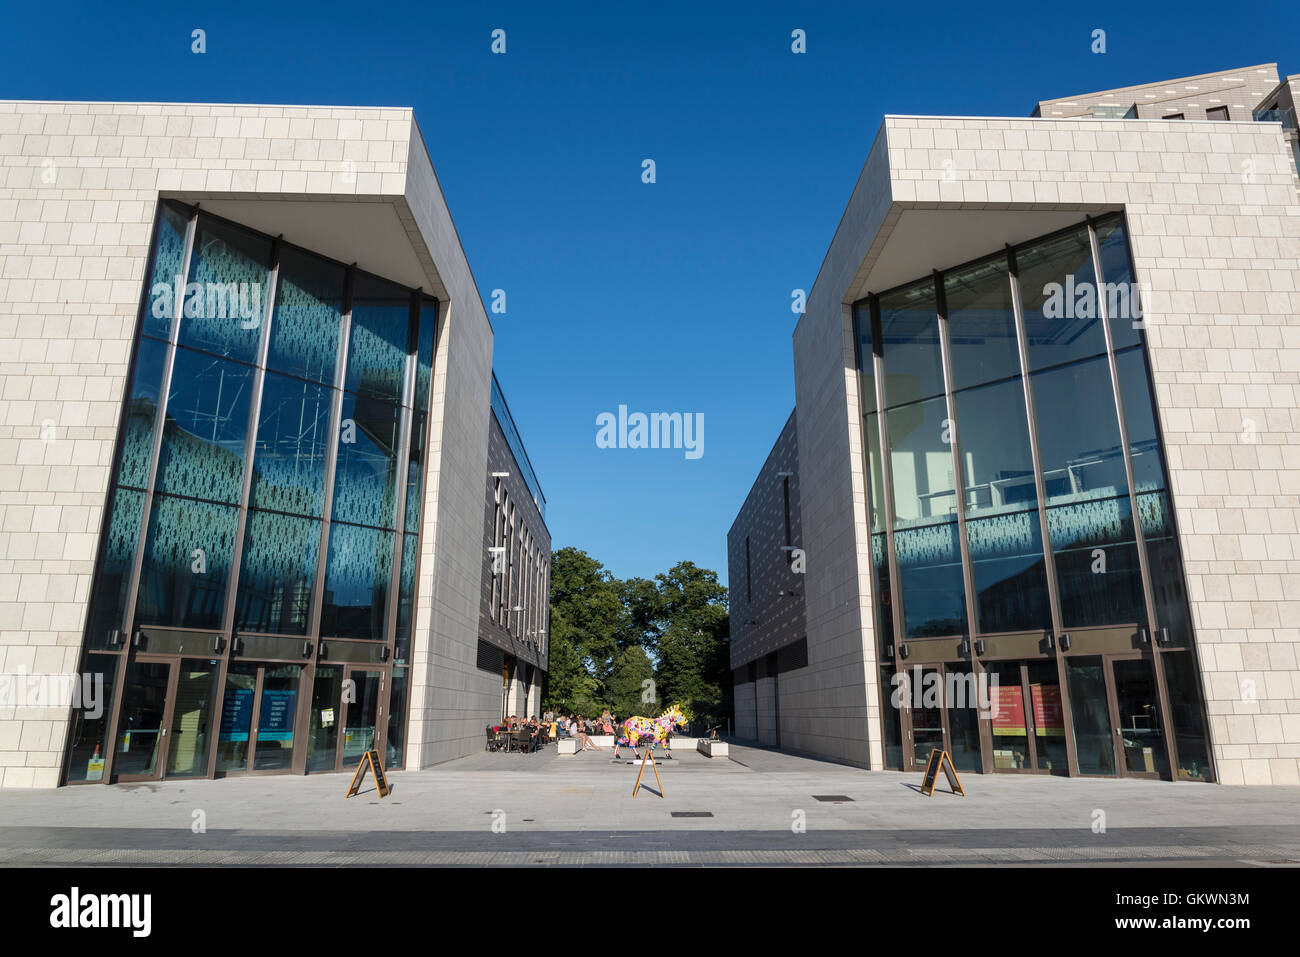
(246, 424)
(1047, 414)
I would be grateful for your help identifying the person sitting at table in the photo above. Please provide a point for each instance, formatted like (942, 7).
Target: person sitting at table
(584, 739)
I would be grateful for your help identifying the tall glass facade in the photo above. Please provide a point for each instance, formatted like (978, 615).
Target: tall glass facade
(261, 538)
(1021, 527)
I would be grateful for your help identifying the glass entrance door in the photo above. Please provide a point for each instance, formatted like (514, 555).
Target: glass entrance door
(363, 712)
(259, 713)
(926, 712)
(1026, 721)
(142, 730)
(1135, 713)
(325, 719)
(190, 722)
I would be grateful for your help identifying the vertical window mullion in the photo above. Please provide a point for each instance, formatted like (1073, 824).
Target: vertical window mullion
(887, 480)
(405, 420)
(958, 473)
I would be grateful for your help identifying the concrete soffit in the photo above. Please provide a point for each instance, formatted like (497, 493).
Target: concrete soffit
(910, 239)
(379, 231)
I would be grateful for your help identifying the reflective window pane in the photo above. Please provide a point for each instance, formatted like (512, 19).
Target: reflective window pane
(981, 324)
(225, 299)
(207, 425)
(862, 320)
(1185, 712)
(89, 747)
(141, 412)
(187, 560)
(1122, 296)
(1167, 587)
(1058, 293)
(377, 347)
(909, 326)
(406, 594)
(929, 569)
(1138, 705)
(358, 575)
(110, 594)
(424, 354)
(1140, 420)
(1003, 533)
(277, 573)
(308, 316)
(396, 739)
(414, 486)
(292, 439)
(365, 483)
(893, 725)
(1081, 454)
(920, 460)
(875, 464)
(1096, 563)
(167, 271)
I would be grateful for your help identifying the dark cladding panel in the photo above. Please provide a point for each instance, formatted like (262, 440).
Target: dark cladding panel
(766, 586)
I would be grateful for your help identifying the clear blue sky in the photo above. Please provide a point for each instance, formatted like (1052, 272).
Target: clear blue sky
(666, 297)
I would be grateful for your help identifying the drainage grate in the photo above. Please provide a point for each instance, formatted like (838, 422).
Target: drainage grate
(833, 798)
(691, 813)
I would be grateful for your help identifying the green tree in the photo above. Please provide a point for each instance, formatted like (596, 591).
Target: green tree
(632, 668)
(587, 618)
(568, 680)
(694, 665)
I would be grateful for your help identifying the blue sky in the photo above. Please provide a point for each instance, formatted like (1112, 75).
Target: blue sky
(671, 296)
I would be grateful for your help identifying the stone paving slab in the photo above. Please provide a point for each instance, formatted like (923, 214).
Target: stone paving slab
(551, 807)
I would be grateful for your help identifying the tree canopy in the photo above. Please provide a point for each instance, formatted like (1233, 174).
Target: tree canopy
(636, 645)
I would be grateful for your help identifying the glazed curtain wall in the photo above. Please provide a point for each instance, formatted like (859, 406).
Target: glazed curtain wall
(269, 473)
(970, 376)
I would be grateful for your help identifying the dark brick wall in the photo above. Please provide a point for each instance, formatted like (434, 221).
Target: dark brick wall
(762, 620)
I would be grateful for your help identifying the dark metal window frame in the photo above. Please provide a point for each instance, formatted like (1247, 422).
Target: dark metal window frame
(226, 633)
(870, 306)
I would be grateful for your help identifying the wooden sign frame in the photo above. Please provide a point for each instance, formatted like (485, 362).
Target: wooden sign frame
(940, 759)
(372, 761)
(648, 757)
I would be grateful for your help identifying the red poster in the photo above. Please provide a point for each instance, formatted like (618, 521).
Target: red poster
(1048, 717)
(1008, 710)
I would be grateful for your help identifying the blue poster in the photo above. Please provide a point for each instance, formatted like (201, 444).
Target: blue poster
(236, 714)
(275, 723)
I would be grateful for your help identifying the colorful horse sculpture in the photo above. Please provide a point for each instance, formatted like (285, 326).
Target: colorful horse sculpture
(635, 729)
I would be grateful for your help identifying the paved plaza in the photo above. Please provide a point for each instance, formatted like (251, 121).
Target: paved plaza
(759, 807)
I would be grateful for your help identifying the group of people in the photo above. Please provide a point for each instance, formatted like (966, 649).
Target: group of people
(538, 732)
(581, 729)
(554, 726)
